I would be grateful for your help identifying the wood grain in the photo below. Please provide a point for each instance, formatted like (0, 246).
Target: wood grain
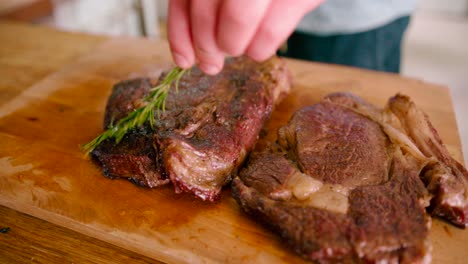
(30, 53)
(44, 174)
(32, 240)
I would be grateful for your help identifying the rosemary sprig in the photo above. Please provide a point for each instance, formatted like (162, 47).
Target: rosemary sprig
(155, 100)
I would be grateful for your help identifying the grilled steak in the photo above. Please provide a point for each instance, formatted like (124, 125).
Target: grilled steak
(347, 182)
(208, 127)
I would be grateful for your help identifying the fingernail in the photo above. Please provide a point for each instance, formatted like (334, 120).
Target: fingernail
(210, 69)
(181, 61)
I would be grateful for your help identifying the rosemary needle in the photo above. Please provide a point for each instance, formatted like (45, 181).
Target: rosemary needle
(155, 100)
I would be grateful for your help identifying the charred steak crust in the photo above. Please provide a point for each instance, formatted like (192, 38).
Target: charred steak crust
(347, 182)
(208, 127)
(134, 158)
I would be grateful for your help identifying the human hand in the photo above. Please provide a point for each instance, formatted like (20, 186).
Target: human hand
(203, 31)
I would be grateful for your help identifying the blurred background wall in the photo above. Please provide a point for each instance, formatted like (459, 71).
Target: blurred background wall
(435, 46)
(450, 7)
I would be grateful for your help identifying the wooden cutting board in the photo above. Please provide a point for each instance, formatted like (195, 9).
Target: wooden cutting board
(44, 174)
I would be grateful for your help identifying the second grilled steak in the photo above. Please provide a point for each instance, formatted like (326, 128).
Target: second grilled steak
(347, 182)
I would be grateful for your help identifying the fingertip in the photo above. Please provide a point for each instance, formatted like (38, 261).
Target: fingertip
(210, 69)
(182, 61)
(258, 55)
(178, 33)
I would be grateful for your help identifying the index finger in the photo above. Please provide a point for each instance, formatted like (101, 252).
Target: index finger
(178, 33)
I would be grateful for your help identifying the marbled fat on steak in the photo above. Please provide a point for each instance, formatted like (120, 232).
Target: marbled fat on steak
(204, 135)
(347, 182)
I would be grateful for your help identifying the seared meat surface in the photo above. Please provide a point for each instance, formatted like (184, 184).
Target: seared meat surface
(347, 182)
(209, 126)
(445, 178)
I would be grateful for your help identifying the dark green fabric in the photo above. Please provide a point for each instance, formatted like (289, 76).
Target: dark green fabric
(377, 49)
